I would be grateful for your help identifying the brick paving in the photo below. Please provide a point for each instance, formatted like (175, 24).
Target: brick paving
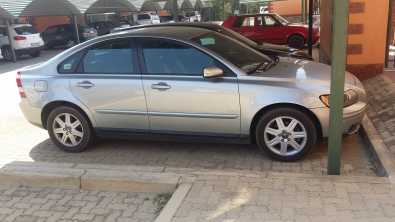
(27, 204)
(381, 110)
(286, 199)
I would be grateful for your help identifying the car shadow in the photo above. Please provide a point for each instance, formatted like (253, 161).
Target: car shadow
(213, 156)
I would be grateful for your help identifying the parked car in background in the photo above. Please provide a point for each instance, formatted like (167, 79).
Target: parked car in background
(25, 39)
(184, 82)
(271, 28)
(122, 25)
(193, 17)
(102, 27)
(147, 18)
(166, 19)
(268, 49)
(65, 35)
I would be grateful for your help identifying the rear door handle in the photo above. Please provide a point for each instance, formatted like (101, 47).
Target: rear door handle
(161, 86)
(85, 84)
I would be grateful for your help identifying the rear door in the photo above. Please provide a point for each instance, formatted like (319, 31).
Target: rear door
(108, 82)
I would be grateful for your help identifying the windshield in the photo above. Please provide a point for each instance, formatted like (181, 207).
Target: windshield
(25, 30)
(242, 56)
(282, 20)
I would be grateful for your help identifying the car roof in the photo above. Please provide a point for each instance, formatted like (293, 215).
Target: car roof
(244, 15)
(204, 25)
(177, 32)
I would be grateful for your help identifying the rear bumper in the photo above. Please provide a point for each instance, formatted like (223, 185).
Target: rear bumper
(352, 118)
(28, 50)
(32, 114)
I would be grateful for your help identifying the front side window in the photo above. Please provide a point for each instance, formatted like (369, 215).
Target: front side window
(236, 52)
(169, 57)
(110, 57)
(269, 21)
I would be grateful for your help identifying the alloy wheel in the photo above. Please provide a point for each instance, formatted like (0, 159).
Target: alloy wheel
(68, 129)
(285, 136)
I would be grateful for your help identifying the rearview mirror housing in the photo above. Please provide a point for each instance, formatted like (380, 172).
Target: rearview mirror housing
(212, 72)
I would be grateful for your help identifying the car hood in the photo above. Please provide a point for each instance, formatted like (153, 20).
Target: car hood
(303, 72)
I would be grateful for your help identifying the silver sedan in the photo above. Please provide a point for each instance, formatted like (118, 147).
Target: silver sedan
(183, 83)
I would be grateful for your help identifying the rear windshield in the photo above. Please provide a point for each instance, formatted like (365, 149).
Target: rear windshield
(25, 30)
(143, 16)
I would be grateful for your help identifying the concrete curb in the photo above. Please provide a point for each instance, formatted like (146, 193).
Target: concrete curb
(171, 208)
(380, 150)
(130, 178)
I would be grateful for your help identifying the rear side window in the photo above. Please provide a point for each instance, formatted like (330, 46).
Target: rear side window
(173, 58)
(110, 57)
(70, 64)
(25, 30)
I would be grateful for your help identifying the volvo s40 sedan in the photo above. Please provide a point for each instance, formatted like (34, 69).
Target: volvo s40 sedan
(183, 82)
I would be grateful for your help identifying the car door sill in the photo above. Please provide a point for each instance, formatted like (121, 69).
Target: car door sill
(129, 134)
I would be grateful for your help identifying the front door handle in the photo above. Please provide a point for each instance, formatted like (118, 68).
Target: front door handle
(161, 86)
(85, 84)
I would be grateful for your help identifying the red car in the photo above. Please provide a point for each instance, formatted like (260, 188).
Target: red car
(271, 28)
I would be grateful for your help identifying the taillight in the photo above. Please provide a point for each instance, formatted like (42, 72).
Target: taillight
(22, 93)
(18, 38)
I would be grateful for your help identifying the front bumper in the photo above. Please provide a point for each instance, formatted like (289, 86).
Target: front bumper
(352, 117)
(32, 114)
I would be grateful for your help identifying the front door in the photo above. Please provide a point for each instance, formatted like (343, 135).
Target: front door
(269, 30)
(108, 83)
(179, 99)
(245, 25)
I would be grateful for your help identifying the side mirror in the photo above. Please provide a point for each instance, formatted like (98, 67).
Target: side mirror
(212, 72)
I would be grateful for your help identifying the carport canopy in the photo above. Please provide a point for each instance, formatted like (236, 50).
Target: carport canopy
(146, 5)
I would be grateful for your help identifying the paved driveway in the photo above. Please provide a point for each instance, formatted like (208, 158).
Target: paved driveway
(21, 141)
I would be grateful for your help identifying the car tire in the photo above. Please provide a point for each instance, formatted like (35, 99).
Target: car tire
(6, 53)
(289, 141)
(35, 54)
(296, 41)
(69, 129)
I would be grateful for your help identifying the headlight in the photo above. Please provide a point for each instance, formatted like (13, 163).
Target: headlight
(350, 98)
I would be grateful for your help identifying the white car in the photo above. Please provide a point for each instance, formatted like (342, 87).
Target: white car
(148, 19)
(25, 39)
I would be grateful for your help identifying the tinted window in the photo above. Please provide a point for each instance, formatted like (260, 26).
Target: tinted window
(25, 30)
(143, 16)
(70, 64)
(231, 49)
(169, 57)
(110, 57)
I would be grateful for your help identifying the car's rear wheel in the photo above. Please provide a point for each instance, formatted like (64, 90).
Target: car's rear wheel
(296, 41)
(69, 129)
(286, 134)
(6, 53)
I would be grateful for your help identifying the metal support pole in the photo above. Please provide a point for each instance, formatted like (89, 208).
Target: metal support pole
(339, 56)
(303, 15)
(236, 7)
(390, 34)
(311, 21)
(174, 11)
(77, 34)
(11, 41)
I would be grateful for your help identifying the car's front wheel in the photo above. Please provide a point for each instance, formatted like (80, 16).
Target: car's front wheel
(69, 129)
(286, 134)
(296, 41)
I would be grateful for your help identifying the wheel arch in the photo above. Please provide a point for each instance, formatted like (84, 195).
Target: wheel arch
(266, 109)
(297, 34)
(47, 109)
